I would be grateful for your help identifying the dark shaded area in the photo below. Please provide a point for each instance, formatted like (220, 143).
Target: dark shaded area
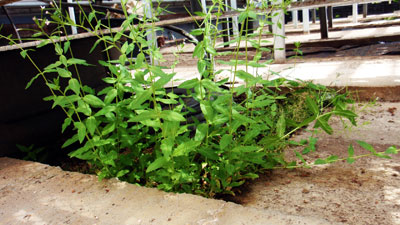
(25, 118)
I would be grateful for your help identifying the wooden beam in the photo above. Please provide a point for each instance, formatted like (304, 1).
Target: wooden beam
(330, 16)
(365, 10)
(314, 15)
(5, 2)
(322, 22)
(323, 3)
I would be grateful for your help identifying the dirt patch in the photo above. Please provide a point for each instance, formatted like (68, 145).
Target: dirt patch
(365, 192)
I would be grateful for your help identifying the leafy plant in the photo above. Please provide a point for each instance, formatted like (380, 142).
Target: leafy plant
(33, 153)
(137, 130)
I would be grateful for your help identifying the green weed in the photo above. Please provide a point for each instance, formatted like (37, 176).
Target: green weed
(137, 130)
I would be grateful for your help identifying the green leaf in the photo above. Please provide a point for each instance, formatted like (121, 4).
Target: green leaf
(166, 146)
(158, 163)
(66, 123)
(382, 155)
(350, 160)
(140, 98)
(93, 101)
(350, 150)
(244, 75)
(84, 108)
(253, 15)
(348, 114)
(321, 122)
(225, 141)
(43, 43)
(245, 149)
(201, 66)
(197, 32)
(319, 162)
(63, 60)
(146, 115)
(91, 16)
(312, 106)
(65, 101)
(58, 49)
(106, 110)
(211, 50)
(110, 80)
(281, 125)
(160, 83)
(81, 131)
(199, 50)
(172, 116)
(91, 124)
(124, 47)
(207, 110)
(185, 148)
(189, 84)
(261, 103)
(242, 16)
(208, 153)
(241, 118)
(111, 94)
(210, 85)
(311, 145)
(52, 66)
(391, 150)
(201, 132)
(307, 121)
(53, 86)
(108, 129)
(23, 53)
(72, 61)
(140, 58)
(32, 80)
(66, 46)
(332, 159)
(109, 158)
(299, 156)
(70, 141)
(366, 146)
(122, 173)
(74, 85)
(63, 72)
(80, 153)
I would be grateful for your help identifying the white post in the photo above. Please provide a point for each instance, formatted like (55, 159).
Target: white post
(355, 13)
(306, 21)
(204, 6)
(235, 24)
(71, 12)
(279, 35)
(295, 18)
(151, 36)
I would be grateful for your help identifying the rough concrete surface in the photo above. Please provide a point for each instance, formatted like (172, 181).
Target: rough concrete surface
(34, 193)
(364, 192)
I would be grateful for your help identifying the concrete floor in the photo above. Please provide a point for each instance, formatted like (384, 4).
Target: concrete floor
(34, 193)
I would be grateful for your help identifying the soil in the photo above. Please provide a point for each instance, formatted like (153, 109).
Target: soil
(365, 192)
